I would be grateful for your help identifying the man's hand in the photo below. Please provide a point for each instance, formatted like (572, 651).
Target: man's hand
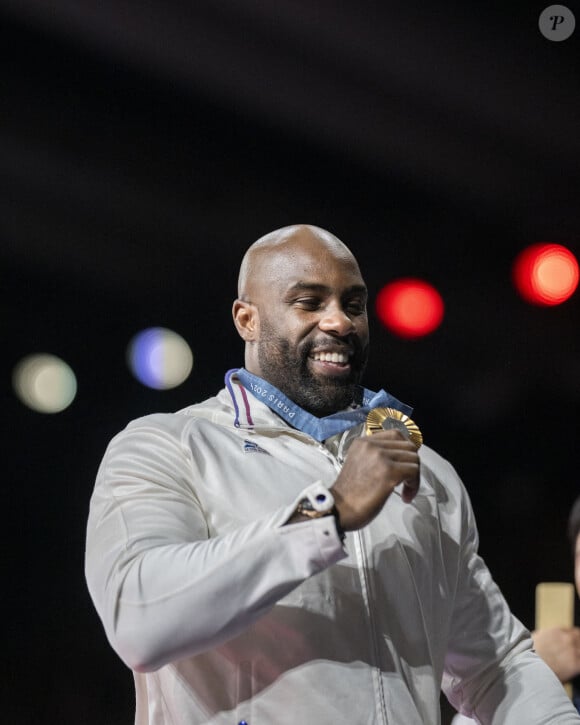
(559, 647)
(373, 467)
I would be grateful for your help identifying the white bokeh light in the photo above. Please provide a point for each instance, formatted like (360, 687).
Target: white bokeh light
(159, 358)
(44, 383)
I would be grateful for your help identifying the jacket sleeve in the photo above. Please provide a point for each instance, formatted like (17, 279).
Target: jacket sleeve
(164, 590)
(491, 672)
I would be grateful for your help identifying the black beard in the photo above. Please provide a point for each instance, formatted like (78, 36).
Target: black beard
(288, 370)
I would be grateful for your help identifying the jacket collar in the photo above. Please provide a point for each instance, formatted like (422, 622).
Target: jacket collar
(253, 399)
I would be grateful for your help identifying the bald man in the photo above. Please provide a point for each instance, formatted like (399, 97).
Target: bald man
(256, 560)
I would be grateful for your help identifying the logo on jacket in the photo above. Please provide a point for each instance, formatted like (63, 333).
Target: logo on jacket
(251, 447)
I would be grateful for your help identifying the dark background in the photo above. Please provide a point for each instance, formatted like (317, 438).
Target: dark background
(145, 145)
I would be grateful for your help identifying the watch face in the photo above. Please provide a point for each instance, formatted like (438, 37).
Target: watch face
(318, 499)
(387, 418)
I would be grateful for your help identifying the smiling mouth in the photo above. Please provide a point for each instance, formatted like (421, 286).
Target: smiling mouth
(331, 357)
(331, 363)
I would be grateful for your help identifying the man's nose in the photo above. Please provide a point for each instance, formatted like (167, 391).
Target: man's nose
(335, 320)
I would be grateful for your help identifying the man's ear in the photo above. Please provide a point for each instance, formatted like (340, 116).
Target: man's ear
(246, 320)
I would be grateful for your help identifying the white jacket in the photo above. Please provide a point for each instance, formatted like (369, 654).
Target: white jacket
(228, 616)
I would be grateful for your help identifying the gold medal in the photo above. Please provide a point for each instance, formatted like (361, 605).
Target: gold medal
(386, 418)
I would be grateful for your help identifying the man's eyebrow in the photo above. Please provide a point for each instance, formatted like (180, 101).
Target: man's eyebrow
(308, 287)
(324, 289)
(357, 289)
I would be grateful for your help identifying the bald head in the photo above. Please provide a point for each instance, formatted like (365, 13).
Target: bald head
(282, 253)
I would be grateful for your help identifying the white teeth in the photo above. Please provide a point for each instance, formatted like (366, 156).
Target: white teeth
(335, 357)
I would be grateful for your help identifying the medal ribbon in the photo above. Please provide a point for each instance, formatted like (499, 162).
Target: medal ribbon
(319, 428)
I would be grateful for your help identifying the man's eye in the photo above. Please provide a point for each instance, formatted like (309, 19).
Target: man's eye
(355, 308)
(309, 303)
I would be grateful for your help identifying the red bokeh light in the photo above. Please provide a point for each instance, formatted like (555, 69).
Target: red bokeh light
(545, 274)
(410, 307)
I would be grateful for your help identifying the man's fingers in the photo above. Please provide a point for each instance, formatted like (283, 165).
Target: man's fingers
(391, 440)
(402, 460)
(389, 435)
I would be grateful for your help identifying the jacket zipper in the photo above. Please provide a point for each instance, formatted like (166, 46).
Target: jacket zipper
(361, 558)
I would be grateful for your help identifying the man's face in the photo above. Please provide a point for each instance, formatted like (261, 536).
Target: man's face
(313, 341)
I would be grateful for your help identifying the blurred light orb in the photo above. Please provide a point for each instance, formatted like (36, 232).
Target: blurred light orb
(410, 307)
(44, 383)
(545, 274)
(159, 358)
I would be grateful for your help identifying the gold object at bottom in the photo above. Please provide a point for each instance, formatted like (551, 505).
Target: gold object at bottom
(555, 608)
(386, 418)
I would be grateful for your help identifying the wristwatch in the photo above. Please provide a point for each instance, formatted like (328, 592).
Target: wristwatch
(319, 502)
